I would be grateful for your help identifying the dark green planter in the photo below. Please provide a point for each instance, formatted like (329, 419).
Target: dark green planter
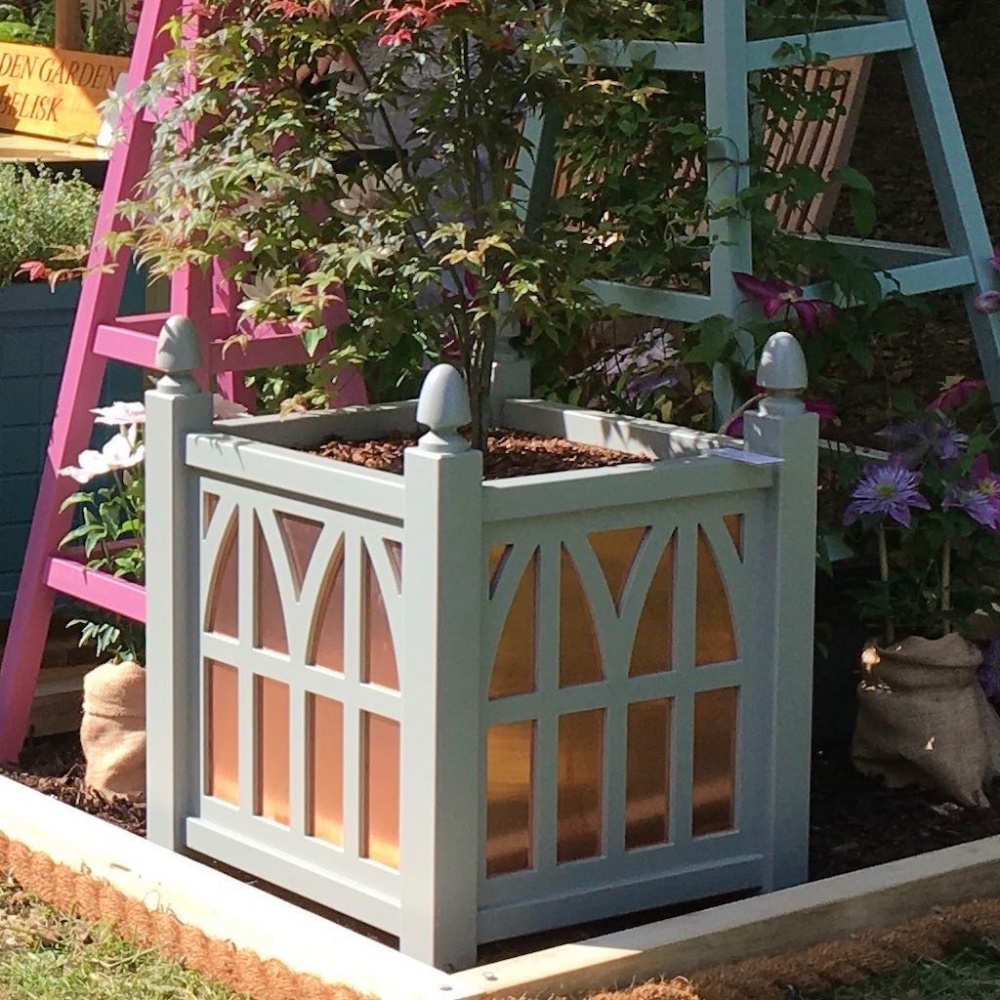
(35, 325)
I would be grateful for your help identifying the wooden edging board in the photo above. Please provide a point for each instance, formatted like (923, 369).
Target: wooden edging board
(226, 909)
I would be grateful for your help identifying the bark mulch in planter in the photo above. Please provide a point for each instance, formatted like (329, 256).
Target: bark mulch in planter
(510, 454)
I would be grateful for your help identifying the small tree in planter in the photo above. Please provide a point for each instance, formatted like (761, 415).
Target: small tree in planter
(455, 709)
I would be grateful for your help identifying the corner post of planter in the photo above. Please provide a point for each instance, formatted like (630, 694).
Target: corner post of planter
(174, 409)
(782, 428)
(440, 680)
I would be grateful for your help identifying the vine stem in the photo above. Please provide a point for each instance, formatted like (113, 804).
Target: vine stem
(883, 566)
(946, 581)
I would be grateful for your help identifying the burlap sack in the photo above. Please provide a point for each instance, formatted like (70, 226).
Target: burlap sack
(113, 731)
(923, 719)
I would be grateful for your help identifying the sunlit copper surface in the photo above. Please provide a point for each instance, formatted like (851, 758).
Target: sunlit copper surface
(300, 536)
(327, 646)
(379, 652)
(222, 780)
(269, 616)
(222, 616)
(714, 793)
(271, 799)
(579, 650)
(509, 797)
(647, 791)
(325, 807)
(380, 840)
(715, 637)
(514, 667)
(209, 505)
(581, 767)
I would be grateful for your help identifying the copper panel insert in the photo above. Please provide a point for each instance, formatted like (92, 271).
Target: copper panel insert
(209, 505)
(581, 781)
(734, 525)
(379, 665)
(269, 612)
(647, 782)
(715, 637)
(222, 778)
(714, 792)
(328, 626)
(394, 550)
(616, 552)
(380, 834)
(325, 808)
(579, 650)
(273, 758)
(653, 651)
(510, 793)
(514, 667)
(222, 616)
(300, 536)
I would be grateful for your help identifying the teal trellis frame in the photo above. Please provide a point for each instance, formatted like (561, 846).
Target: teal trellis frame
(727, 58)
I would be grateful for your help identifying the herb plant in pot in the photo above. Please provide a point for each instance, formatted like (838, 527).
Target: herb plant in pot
(929, 519)
(48, 223)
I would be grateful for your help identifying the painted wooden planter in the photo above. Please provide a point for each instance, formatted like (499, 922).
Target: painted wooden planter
(462, 711)
(35, 325)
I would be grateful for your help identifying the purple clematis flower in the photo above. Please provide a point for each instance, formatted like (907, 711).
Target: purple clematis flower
(956, 394)
(935, 435)
(995, 259)
(773, 296)
(988, 302)
(889, 489)
(985, 481)
(976, 504)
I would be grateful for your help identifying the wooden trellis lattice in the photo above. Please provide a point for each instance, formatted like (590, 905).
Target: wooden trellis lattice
(727, 59)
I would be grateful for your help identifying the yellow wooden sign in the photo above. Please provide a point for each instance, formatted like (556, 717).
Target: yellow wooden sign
(53, 92)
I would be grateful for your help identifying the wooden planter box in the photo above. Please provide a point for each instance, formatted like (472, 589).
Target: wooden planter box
(461, 711)
(35, 325)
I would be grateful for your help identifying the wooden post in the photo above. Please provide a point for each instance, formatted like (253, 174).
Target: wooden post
(176, 407)
(69, 29)
(443, 574)
(782, 428)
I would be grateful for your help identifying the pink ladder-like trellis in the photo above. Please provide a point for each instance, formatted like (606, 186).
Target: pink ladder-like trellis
(99, 336)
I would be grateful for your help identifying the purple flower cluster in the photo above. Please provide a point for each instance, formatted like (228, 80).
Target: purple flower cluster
(979, 497)
(887, 490)
(773, 296)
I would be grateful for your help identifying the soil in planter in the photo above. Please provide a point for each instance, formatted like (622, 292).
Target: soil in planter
(510, 454)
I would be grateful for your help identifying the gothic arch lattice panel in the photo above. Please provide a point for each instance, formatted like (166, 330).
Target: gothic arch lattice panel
(632, 646)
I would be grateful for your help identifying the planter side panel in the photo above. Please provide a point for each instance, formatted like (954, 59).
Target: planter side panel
(623, 678)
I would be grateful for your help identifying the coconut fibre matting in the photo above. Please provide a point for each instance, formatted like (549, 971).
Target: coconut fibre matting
(95, 901)
(818, 970)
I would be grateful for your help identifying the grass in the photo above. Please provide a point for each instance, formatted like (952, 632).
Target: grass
(971, 974)
(47, 956)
